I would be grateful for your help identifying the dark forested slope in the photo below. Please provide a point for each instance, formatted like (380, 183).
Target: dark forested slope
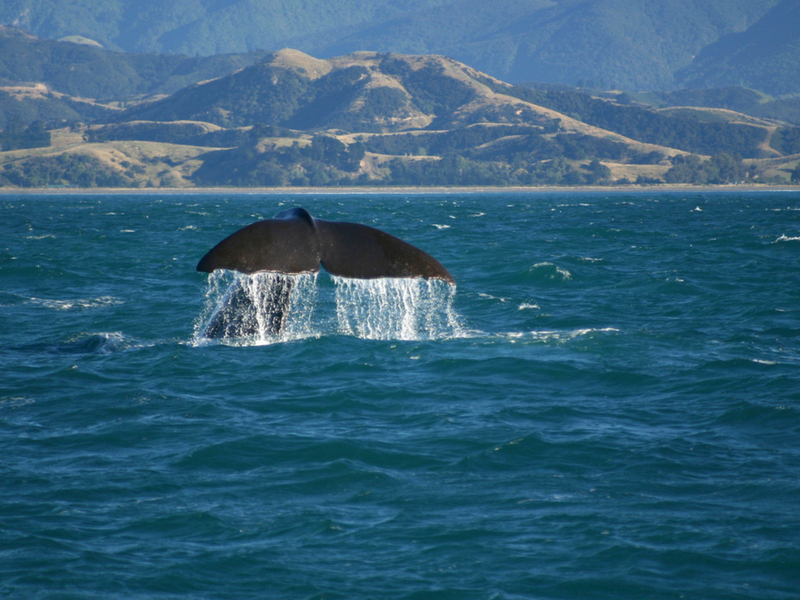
(766, 56)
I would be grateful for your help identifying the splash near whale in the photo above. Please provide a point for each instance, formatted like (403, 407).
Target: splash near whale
(275, 265)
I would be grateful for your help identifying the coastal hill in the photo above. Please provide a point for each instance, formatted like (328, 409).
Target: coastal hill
(371, 118)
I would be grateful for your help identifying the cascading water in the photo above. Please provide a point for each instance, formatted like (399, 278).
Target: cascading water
(274, 307)
(260, 308)
(390, 308)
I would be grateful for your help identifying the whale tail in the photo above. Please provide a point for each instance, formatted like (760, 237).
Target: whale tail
(294, 242)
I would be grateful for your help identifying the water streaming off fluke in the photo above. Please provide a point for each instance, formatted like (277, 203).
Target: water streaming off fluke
(272, 307)
(403, 309)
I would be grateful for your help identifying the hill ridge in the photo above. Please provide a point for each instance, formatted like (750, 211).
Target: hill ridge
(393, 119)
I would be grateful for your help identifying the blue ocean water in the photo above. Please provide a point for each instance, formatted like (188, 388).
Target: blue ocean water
(608, 406)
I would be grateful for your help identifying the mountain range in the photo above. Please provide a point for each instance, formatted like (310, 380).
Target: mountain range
(634, 45)
(365, 118)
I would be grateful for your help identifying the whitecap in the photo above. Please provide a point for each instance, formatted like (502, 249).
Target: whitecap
(557, 336)
(785, 238)
(78, 303)
(762, 361)
(490, 297)
(557, 271)
(97, 343)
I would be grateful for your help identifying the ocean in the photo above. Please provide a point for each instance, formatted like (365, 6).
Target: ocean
(607, 405)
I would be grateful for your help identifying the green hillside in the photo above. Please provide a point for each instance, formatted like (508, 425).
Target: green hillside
(627, 44)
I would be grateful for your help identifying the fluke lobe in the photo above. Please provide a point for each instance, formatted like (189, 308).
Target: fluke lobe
(294, 242)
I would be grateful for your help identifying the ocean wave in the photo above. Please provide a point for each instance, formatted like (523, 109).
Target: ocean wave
(560, 336)
(78, 303)
(751, 413)
(762, 361)
(491, 297)
(97, 343)
(13, 402)
(528, 306)
(547, 270)
(555, 336)
(637, 435)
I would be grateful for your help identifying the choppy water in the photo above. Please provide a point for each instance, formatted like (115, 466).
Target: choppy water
(607, 407)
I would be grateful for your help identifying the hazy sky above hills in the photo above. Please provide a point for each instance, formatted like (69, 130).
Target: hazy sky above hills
(632, 44)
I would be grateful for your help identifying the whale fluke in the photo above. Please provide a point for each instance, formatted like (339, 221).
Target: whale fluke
(294, 242)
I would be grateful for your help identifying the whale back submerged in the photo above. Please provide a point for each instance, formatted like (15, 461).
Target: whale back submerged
(294, 242)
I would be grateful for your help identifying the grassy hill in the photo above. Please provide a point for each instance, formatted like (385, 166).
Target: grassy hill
(373, 118)
(627, 44)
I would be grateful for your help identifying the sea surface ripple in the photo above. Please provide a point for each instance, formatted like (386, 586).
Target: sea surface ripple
(610, 407)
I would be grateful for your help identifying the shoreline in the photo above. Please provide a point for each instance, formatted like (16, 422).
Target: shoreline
(301, 191)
